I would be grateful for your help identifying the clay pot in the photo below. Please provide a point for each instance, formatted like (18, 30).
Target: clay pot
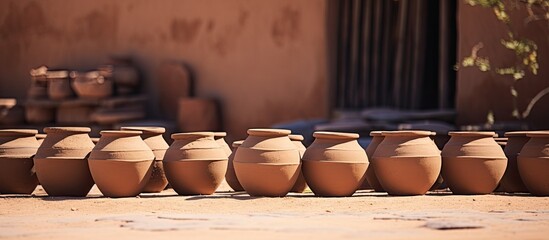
(335, 164)
(511, 181)
(39, 85)
(533, 163)
(124, 74)
(152, 136)
(195, 163)
(300, 185)
(267, 163)
(230, 176)
(407, 162)
(196, 114)
(17, 148)
(120, 163)
(220, 139)
(371, 177)
(91, 85)
(472, 162)
(59, 86)
(61, 162)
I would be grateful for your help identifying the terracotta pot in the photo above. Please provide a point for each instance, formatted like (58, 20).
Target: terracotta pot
(220, 139)
(230, 176)
(59, 86)
(196, 114)
(152, 136)
(195, 163)
(39, 85)
(371, 177)
(91, 85)
(267, 163)
(407, 162)
(472, 162)
(300, 185)
(335, 164)
(533, 163)
(61, 162)
(17, 148)
(120, 163)
(124, 74)
(511, 181)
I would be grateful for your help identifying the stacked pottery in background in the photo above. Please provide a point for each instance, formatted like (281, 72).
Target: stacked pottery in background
(230, 176)
(120, 163)
(511, 181)
(533, 163)
(152, 136)
(335, 164)
(300, 185)
(267, 163)
(17, 148)
(472, 162)
(195, 163)
(371, 177)
(407, 162)
(61, 162)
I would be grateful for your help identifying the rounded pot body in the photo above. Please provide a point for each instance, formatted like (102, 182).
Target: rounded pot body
(230, 176)
(59, 86)
(473, 163)
(300, 184)
(17, 148)
(533, 163)
(267, 163)
(220, 139)
(511, 181)
(335, 164)
(371, 177)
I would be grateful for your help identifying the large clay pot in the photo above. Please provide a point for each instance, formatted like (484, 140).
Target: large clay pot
(195, 164)
(220, 139)
(230, 176)
(152, 136)
(335, 164)
(472, 162)
(17, 148)
(59, 86)
(300, 185)
(267, 163)
(120, 163)
(91, 85)
(533, 163)
(511, 181)
(61, 162)
(371, 177)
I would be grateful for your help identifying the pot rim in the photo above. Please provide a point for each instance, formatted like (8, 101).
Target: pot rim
(538, 134)
(516, 134)
(237, 143)
(120, 132)
(376, 133)
(67, 129)
(145, 129)
(18, 132)
(220, 134)
(335, 135)
(472, 134)
(268, 132)
(296, 137)
(408, 133)
(57, 74)
(176, 136)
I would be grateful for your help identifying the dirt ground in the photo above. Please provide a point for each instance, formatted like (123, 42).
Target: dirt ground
(229, 215)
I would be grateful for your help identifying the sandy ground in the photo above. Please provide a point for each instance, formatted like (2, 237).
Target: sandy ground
(229, 215)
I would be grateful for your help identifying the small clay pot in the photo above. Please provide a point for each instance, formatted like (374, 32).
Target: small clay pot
(407, 162)
(230, 176)
(152, 136)
(511, 181)
(220, 139)
(300, 185)
(335, 164)
(371, 177)
(195, 163)
(120, 163)
(61, 161)
(267, 163)
(17, 148)
(59, 86)
(91, 85)
(472, 162)
(533, 163)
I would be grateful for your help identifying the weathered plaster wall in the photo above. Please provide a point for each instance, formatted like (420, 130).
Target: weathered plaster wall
(478, 92)
(265, 60)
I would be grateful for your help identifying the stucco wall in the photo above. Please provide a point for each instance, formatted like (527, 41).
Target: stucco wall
(265, 60)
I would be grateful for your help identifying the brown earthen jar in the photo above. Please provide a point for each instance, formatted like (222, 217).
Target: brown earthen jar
(220, 139)
(120, 163)
(511, 181)
(61, 162)
(195, 163)
(300, 185)
(17, 148)
(407, 162)
(230, 176)
(533, 163)
(335, 164)
(472, 162)
(152, 136)
(371, 177)
(267, 163)
(91, 85)
(59, 86)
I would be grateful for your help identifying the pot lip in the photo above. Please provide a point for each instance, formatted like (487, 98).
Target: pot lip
(8, 102)
(516, 134)
(335, 135)
(237, 143)
(376, 133)
(67, 129)
(408, 133)
(219, 134)
(268, 132)
(145, 129)
(120, 133)
(296, 137)
(472, 134)
(18, 132)
(538, 134)
(176, 136)
(57, 74)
